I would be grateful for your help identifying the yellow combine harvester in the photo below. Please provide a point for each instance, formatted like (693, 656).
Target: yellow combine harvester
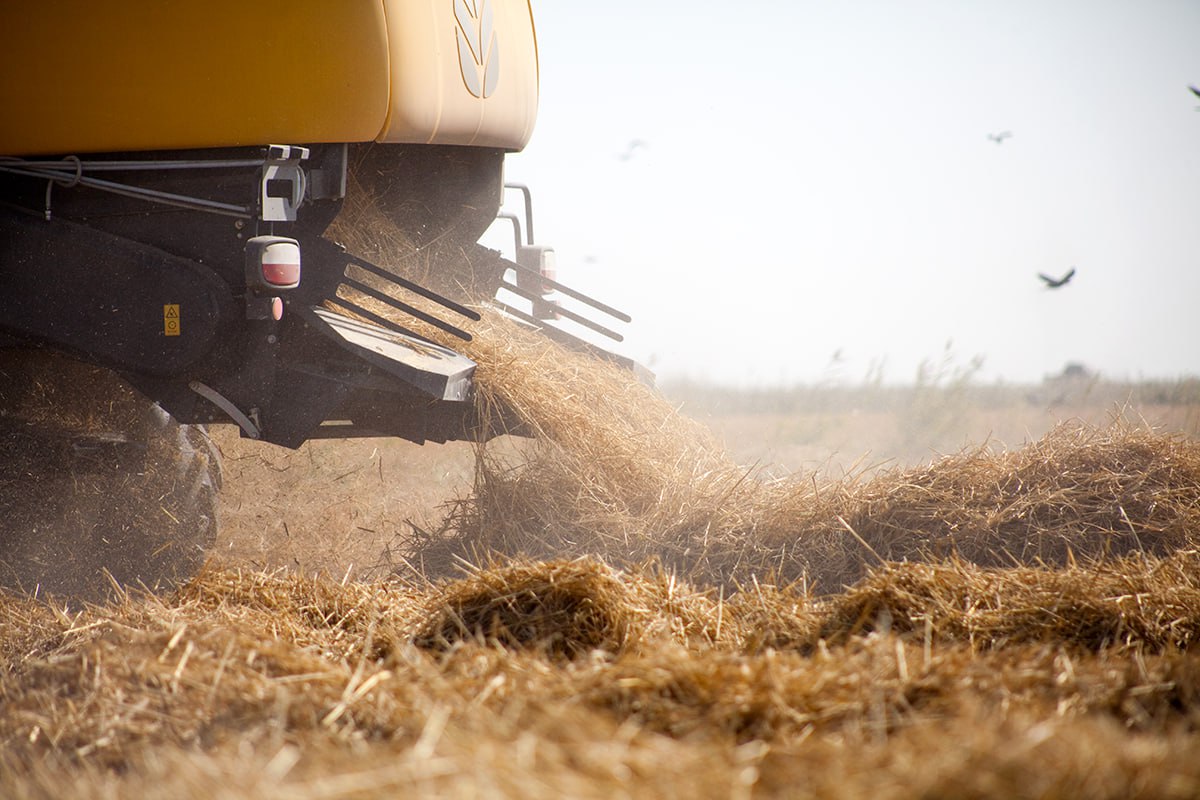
(175, 179)
(87, 77)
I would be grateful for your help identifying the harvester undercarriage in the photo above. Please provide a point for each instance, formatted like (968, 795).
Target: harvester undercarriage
(246, 286)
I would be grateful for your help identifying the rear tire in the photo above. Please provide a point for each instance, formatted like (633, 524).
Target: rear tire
(97, 484)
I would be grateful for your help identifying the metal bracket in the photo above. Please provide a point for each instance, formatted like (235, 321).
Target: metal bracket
(283, 183)
(248, 426)
(327, 179)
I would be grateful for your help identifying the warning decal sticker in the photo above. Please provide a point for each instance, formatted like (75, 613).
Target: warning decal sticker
(171, 319)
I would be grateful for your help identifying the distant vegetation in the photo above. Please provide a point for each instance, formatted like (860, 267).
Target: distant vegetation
(707, 398)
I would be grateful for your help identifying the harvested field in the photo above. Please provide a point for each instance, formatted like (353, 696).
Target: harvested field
(570, 678)
(619, 608)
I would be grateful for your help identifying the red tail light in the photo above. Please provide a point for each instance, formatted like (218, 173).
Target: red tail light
(272, 263)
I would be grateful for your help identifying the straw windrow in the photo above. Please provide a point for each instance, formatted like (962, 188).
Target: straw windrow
(615, 470)
(252, 685)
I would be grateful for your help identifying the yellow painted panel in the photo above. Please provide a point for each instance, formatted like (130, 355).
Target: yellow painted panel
(86, 76)
(462, 72)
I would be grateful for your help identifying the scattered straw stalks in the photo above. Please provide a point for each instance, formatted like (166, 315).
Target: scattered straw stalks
(539, 679)
(616, 470)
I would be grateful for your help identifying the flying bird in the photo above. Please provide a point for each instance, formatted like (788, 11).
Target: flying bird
(1054, 283)
(1196, 92)
(999, 138)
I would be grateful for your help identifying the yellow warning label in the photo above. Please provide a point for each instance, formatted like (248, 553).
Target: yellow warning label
(171, 319)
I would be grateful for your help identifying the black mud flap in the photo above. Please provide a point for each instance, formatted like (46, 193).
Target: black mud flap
(111, 300)
(341, 377)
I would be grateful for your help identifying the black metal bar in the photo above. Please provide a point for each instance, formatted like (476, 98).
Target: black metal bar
(569, 292)
(573, 342)
(528, 207)
(381, 321)
(406, 308)
(516, 223)
(67, 179)
(564, 312)
(139, 166)
(416, 288)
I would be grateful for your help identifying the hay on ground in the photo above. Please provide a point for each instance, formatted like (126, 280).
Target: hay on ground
(257, 685)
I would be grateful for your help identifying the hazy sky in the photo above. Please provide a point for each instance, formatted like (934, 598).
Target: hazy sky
(817, 178)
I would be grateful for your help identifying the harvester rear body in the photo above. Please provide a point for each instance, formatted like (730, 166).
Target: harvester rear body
(217, 201)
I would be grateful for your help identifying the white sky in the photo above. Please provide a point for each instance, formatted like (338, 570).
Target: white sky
(817, 178)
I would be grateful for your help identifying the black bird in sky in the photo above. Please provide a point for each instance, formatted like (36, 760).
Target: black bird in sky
(1196, 92)
(999, 138)
(1054, 283)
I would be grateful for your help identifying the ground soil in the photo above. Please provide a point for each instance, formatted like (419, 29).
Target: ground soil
(334, 507)
(330, 506)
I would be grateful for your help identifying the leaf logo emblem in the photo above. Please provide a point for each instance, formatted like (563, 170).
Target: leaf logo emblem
(478, 52)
